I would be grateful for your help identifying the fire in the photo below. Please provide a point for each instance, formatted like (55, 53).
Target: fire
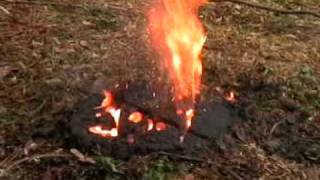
(107, 101)
(135, 117)
(160, 126)
(102, 132)
(230, 97)
(108, 107)
(150, 125)
(177, 33)
(189, 116)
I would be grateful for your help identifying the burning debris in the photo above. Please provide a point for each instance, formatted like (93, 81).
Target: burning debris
(118, 119)
(178, 36)
(110, 107)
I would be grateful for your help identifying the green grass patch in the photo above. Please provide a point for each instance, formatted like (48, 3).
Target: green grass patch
(159, 170)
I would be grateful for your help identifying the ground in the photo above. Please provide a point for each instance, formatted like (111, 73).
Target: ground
(50, 55)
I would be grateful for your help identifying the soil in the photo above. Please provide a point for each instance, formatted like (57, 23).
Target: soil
(55, 54)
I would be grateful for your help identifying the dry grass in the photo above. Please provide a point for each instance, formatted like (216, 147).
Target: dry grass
(49, 60)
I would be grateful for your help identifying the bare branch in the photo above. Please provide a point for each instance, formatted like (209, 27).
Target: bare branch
(40, 156)
(10, 15)
(276, 10)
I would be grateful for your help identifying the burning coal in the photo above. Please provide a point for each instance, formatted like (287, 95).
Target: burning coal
(178, 35)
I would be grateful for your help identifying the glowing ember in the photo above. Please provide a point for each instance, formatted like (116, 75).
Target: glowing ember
(135, 117)
(180, 112)
(150, 125)
(102, 132)
(231, 97)
(160, 126)
(178, 35)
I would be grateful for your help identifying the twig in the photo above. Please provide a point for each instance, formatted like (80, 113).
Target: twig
(8, 160)
(18, 162)
(267, 8)
(184, 157)
(6, 12)
(275, 126)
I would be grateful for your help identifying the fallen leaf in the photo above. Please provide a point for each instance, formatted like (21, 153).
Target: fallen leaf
(86, 23)
(84, 43)
(55, 82)
(94, 55)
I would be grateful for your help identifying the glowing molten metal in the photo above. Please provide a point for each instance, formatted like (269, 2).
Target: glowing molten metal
(177, 33)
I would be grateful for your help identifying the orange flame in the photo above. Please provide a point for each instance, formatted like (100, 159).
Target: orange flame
(107, 101)
(177, 33)
(135, 117)
(107, 106)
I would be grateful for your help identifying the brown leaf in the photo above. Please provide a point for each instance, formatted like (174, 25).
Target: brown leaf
(86, 23)
(84, 43)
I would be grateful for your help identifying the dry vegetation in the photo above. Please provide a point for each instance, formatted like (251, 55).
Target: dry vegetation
(50, 55)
